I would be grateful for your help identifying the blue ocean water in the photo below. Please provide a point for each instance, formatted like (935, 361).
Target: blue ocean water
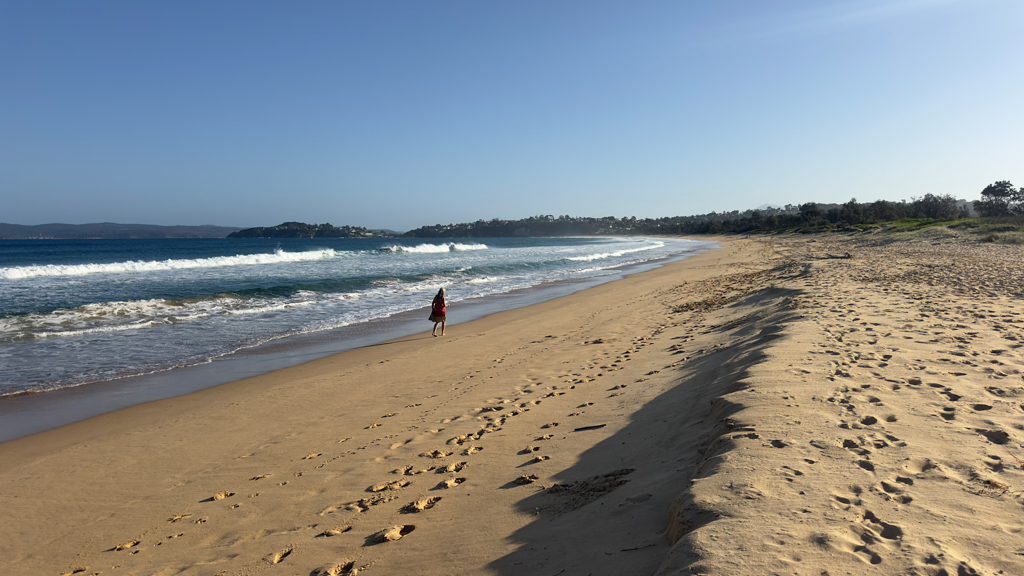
(80, 311)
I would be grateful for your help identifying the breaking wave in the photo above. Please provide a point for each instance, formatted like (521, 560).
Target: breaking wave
(279, 256)
(591, 257)
(434, 248)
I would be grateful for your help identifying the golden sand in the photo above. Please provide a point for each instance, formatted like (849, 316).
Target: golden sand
(756, 409)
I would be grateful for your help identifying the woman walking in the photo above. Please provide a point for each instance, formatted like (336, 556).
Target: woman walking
(438, 313)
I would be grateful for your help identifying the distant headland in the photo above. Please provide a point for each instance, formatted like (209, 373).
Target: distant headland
(110, 230)
(303, 230)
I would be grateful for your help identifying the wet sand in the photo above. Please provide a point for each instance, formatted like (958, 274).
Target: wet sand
(756, 409)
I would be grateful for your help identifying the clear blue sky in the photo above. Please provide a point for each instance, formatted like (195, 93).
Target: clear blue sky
(399, 114)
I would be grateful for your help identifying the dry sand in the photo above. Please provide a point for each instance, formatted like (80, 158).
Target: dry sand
(756, 409)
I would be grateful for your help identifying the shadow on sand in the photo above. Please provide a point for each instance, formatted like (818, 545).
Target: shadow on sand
(609, 512)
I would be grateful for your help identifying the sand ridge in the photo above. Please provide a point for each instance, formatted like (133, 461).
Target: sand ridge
(754, 409)
(882, 433)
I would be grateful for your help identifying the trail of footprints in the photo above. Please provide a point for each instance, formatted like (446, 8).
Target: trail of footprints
(865, 340)
(497, 414)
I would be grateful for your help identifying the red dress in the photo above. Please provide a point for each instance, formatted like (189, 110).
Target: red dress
(439, 309)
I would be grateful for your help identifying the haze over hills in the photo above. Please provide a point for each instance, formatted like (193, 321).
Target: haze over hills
(110, 230)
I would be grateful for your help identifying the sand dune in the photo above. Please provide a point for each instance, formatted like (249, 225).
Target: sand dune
(756, 409)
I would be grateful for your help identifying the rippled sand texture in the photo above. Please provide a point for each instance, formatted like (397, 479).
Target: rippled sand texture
(757, 409)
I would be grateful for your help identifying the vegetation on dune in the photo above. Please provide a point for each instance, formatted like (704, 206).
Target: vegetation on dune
(997, 217)
(809, 217)
(1001, 199)
(1001, 208)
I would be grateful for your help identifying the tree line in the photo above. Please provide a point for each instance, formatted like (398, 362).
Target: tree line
(997, 200)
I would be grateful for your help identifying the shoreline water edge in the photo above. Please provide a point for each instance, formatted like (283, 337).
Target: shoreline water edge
(33, 410)
(759, 408)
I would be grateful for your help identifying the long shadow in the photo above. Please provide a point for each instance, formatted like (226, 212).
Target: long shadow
(609, 514)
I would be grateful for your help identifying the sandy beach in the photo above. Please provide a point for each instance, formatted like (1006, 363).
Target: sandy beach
(769, 407)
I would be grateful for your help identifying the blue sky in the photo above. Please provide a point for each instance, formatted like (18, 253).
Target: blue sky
(400, 114)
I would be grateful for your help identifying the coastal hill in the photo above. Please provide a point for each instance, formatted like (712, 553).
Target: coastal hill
(110, 230)
(302, 230)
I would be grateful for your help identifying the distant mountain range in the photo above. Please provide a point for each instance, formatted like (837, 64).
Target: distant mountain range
(110, 230)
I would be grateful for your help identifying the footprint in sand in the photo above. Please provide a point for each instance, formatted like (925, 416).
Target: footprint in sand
(334, 531)
(421, 505)
(278, 557)
(436, 454)
(393, 485)
(526, 479)
(472, 450)
(311, 456)
(948, 394)
(450, 483)
(529, 449)
(994, 436)
(893, 491)
(455, 467)
(361, 505)
(391, 534)
(177, 518)
(868, 530)
(219, 496)
(338, 569)
(918, 465)
(844, 502)
(260, 477)
(126, 545)
(410, 471)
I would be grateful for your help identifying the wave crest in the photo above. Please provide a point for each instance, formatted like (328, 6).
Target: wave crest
(434, 248)
(22, 272)
(591, 257)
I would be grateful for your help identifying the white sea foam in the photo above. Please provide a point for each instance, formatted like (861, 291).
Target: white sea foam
(133, 315)
(435, 248)
(616, 254)
(118, 332)
(279, 256)
(97, 330)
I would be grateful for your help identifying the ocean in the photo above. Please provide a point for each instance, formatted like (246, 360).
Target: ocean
(74, 312)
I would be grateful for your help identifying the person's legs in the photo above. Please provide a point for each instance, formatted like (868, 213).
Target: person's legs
(442, 326)
(434, 331)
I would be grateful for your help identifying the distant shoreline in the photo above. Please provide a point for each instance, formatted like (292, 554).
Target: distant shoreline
(110, 231)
